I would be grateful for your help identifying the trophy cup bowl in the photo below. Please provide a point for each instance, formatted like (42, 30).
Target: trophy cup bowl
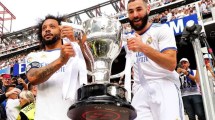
(101, 100)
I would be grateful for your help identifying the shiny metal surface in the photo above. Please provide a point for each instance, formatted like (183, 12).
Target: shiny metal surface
(102, 45)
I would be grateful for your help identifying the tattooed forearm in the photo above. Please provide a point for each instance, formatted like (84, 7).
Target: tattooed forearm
(47, 71)
(40, 75)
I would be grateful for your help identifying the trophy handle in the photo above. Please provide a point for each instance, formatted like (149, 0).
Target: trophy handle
(89, 73)
(75, 26)
(118, 75)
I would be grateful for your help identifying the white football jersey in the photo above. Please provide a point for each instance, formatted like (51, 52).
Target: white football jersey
(161, 38)
(50, 104)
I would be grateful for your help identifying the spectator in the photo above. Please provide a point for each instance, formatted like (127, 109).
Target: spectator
(4, 96)
(27, 105)
(190, 90)
(33, 89)
(209, 62)
(203, 7)
(21, 84)
(12, 104)
(6, 80)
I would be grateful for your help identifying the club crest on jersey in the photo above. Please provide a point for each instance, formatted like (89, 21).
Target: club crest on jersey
(43, 56)
(149, 40)
(30, 59)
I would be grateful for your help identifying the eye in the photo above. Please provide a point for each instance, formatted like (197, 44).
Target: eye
(130, 11)
(44, 28)
(52, 26)
(139, 9)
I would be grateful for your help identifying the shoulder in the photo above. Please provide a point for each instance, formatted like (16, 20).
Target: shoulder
(192, 71)
(160, 28)
(33, 54)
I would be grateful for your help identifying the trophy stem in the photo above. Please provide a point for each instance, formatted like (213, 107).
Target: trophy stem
(102, 71)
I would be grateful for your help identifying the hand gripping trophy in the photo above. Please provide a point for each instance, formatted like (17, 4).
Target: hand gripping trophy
(101, 100)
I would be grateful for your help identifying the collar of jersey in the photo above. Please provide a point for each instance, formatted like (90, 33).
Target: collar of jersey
(52, 50)
(146, 30)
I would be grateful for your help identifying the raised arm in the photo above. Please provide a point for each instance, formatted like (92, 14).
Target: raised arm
(40, 75)
(166, 59)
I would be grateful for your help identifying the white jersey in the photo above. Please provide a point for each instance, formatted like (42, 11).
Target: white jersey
(154, 85)
(158, 37)
(50, 104)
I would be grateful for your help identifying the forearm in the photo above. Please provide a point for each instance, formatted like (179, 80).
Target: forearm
(40, 75)
(197, 77)
(193, 78)
(166, 59)
(25, 86)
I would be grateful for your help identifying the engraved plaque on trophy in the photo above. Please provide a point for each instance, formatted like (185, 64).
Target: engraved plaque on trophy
(101, 100)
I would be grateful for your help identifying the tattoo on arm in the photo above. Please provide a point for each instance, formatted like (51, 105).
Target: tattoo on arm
(46, 72)
(40, 75)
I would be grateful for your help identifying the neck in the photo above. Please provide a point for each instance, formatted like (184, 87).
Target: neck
(57, 45)
(145, 28)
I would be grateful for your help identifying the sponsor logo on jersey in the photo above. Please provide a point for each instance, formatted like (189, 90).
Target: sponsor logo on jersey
(141, 57)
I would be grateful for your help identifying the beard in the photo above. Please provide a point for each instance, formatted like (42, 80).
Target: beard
(144, 22)
(51, 41)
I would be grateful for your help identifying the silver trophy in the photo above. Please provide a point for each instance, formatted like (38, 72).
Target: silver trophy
(101, 100)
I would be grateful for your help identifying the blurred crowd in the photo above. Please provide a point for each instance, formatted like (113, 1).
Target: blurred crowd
(16, 95)
(175, 13)
(14, 46)
(205, 6)
(9, 62)
(183, 11)
(159, 3)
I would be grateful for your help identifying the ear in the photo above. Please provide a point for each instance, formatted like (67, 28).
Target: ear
(148, 8)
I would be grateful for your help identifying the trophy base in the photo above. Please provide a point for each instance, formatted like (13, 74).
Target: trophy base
(101, 102)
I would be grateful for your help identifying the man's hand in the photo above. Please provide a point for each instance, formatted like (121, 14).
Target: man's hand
(21, 81)
(13, 91)
(135, 43)
(67, 51)
(184, 71)
(67, 31)
(179, 70)
(208, 66)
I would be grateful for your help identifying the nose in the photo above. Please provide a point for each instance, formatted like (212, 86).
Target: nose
(135, 14)
(47, 30)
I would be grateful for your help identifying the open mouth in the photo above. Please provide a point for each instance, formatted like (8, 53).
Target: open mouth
(137, 21)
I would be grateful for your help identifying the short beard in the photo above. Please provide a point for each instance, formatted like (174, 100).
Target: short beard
(52, 41)
(144, 22)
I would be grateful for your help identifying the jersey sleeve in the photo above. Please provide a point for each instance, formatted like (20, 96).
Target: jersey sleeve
(166, 38)
(32, 61)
